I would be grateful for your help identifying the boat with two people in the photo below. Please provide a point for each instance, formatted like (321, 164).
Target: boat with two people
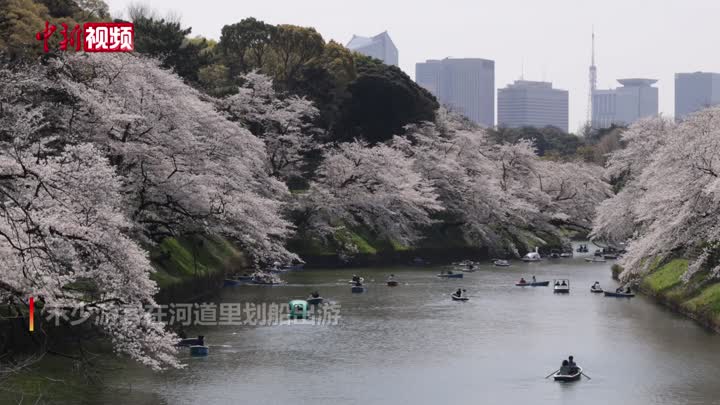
(595, 288)
(561, 286)
(467, 266)
(501, 263)
(621, 292)
(357, 284)
(554, 254)
(582, 249)
(569, 371)
(459, 295)
(356, 279)
(533, 283)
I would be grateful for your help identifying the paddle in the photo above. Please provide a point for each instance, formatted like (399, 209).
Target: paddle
(552, 373)
(586, 376)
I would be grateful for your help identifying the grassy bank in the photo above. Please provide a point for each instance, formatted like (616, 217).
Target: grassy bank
(698, 299)
(187, 267)
(444, 242)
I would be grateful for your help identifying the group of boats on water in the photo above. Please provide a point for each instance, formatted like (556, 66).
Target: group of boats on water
(563, 286)
(299, 308)
(601, 255)
(267, 276)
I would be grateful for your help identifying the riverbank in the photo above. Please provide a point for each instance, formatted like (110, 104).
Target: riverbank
(698, 299)
(442, 244)
(188, 268)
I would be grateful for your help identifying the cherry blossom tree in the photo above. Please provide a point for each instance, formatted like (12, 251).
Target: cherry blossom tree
(670, 200)
(63, 222)
(185, 168)
(284, 124)
(375, 187)
(499, 191)
(101, 155)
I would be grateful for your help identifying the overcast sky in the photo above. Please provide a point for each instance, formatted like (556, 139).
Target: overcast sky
(634, 38)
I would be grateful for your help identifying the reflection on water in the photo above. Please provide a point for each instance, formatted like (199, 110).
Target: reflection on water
(413, 344)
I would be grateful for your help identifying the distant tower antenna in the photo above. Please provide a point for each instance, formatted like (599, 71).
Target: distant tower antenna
(593, 78)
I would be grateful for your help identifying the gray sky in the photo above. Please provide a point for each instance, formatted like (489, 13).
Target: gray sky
(634, 38)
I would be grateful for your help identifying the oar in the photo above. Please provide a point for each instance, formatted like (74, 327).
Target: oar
(586, 376)
(552, 373)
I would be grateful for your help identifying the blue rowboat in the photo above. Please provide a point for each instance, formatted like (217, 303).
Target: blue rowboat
(453, 275)
(358, 289)
(619, 295)
(199, 351)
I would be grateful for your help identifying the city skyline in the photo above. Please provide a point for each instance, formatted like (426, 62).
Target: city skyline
(669, 38)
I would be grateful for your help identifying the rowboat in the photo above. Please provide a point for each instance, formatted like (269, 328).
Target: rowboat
(298, 309)
(573, 376)
(456, 298)
(596, 290)
(199, 351)
(561, 286)
(595, 260)
(566, 254)
(392, 283)
(501, 263)
(358, 288)
(610, 256)
(619, 294)
(534, 284)
(315, 300)
(362, 280)
(198, 341)
(451, 275)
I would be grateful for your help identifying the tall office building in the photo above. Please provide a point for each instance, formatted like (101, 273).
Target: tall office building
(465, 85)
(532, 104)
(695, 91)
(379, 47)
(636, 99)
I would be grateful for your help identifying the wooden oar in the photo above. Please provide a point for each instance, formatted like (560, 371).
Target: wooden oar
(552, 373)
(586, 376)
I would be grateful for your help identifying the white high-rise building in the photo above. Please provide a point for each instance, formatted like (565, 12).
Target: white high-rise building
(636, 99)
(532, 104)
(464, 85)
(695, 91)
(379, 47)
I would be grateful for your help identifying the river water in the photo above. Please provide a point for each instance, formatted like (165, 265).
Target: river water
(413, 344)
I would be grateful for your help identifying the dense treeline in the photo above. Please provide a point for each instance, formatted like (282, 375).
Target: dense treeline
(668, 200)
(593, 146)
(356, 96)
